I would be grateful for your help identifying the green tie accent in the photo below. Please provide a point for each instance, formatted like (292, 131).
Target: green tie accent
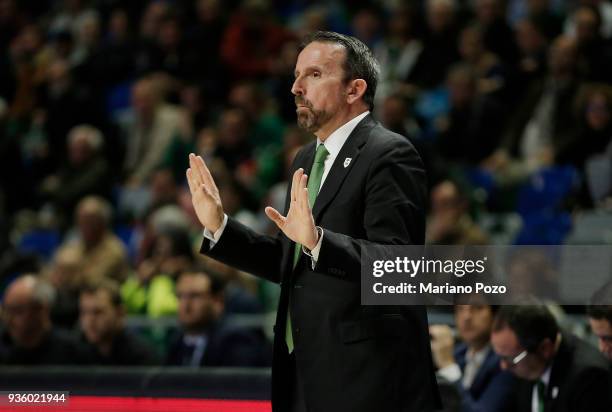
(541, 395)
(314, 184)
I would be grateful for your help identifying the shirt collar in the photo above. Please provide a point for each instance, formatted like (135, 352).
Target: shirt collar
(546, 376)
(336, 140)
(478, 356)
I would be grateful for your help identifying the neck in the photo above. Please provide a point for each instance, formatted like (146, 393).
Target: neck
(477, 346)
(340, 119)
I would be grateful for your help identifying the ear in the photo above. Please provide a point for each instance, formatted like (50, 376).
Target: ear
(547, 348)
(355, 90)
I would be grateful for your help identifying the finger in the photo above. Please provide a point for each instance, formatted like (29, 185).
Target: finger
(305, 203)
(303, 198)
(275, 216)
(195, 175)
(295, 183)
(205, 172)
(191, 181)
(199, 168)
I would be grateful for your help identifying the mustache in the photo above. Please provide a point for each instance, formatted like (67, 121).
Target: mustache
(299, 100)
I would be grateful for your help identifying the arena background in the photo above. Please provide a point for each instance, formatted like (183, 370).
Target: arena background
(508, 103)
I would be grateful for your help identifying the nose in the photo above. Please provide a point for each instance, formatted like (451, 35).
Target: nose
(297, 88)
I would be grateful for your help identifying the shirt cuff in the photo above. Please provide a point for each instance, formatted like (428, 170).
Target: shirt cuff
(214, 237)
(451, 373)
(314, 253)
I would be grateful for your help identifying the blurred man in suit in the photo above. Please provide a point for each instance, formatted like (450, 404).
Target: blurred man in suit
(29, 337)
(205, 338)
(357, 185)
(102, 320)
(599, 312)
(559, 372)
(472, 365)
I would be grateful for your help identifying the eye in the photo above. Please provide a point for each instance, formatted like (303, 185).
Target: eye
(316, 74)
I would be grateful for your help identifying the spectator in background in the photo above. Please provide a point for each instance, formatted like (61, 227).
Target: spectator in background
(532, 45)
(395, 115)
(497, 34)
(252, 41)
(102, 253)
(594, 52)
(485, 64)
(470, 132)
(551, 23)
(65, 103)
(87, 172)
(449, 222)
(148, 129)
(366, 25)
(439, 45)
(605, 11)
(398, 54)
(150, 290)
(29, 337)
(66, 275)
(472, 365)
(558, 371)
(600, 320)
(594, 129)
(102, 322)
(599, 312)
(207, 34)
(206, 339)
(233, 145)
(544, 117)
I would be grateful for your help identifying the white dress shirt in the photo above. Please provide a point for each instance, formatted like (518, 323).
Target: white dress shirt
(333, 144)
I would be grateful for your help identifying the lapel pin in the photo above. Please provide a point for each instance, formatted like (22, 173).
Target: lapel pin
(555, 392)
(347, 162)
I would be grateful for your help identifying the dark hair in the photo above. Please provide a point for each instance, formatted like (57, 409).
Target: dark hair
(217, 283)
(531, 324)
(360, 63)
(600, 306)
(107, 285)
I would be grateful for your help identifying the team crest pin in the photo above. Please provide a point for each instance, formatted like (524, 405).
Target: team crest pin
(347, 162)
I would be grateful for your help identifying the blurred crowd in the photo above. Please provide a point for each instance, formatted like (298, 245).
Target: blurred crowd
(508, 103)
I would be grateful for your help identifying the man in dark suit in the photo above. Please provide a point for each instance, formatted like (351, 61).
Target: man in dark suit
(472, 365)
(205, 338)
(102, 322)
(358, 185)
(559, 372)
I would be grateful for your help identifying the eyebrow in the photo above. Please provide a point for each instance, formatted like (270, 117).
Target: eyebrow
(296, 73)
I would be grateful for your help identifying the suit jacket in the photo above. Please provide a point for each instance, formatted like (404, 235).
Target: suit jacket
(491, 389)
(225, 346)
(128, 348)
(349, 357)
(579, 380)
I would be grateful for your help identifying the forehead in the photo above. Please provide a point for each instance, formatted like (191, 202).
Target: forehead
(100, 297)
(193, 283)
(323, 55)
(600, 326)
(505, 342)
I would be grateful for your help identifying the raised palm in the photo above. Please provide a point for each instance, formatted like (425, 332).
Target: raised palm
(204, 194)
(299, 224)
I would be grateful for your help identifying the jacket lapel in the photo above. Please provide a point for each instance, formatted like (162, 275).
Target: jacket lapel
(339, 171)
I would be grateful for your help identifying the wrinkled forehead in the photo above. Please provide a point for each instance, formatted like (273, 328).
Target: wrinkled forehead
(322, 55)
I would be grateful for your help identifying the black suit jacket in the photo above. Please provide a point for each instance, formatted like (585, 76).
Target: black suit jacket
(225, 346)
(579, 381)
(349, 357)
